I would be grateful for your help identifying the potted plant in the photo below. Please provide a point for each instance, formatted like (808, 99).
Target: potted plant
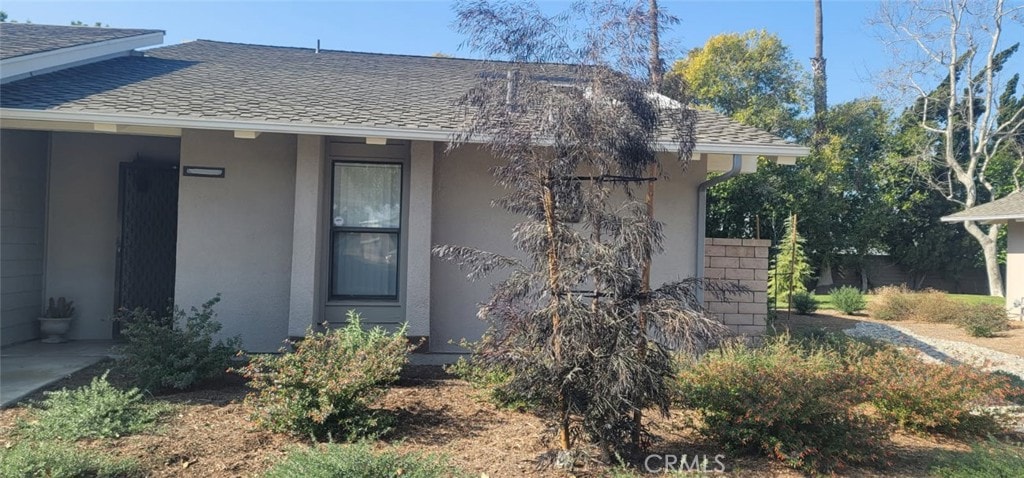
(56, 320)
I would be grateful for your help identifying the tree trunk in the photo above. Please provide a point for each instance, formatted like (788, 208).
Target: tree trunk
(825, 281)
(820, 85)
(990, 251)
(655, 54)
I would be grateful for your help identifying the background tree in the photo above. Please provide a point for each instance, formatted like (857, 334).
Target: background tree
(818, 69)
(964, 123)
(752, 78)
(576, 320)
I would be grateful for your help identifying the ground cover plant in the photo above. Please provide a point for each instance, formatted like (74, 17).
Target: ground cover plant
(50, 459)
(987, 459)
(97, 410)
(359, 460)
(176, 350)
(325, 388)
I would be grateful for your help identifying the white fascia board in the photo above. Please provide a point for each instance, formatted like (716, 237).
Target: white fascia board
(746, 149)
(24, 66)
(985, 219)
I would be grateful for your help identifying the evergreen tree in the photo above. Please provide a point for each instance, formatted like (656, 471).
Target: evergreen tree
(790, 268)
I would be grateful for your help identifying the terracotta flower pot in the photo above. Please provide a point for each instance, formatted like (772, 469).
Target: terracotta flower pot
(54, 329)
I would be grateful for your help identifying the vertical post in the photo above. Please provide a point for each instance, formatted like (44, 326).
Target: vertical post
(792, 270)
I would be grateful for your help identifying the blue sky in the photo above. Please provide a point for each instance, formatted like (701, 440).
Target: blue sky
(424, 27)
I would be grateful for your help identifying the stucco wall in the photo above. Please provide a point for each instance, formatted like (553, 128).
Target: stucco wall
(1015, 267)
(23, 160)
(82, 222)
(235, 233)
(463, 191)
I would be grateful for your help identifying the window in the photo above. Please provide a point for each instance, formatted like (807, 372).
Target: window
(366, 218)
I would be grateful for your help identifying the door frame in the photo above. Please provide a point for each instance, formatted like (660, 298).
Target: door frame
(122, 169)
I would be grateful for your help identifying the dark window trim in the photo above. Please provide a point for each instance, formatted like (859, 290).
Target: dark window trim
(383, 230)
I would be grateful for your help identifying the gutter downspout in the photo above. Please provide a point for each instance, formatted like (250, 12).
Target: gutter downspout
(702, 205)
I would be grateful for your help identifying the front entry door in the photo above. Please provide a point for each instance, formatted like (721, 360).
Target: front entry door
(148, 208)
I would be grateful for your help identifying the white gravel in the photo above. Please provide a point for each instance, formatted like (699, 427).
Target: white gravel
(950, 351)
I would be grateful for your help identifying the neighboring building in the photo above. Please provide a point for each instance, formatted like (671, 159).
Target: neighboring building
(1009, 211)
(210, 167)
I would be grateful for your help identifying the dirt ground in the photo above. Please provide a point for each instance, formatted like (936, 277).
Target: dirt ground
(209, 434)
(1011, 341)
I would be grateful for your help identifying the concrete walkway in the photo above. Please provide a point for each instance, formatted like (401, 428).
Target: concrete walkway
(27, 367)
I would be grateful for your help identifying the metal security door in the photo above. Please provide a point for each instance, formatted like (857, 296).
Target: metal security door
(148, 209)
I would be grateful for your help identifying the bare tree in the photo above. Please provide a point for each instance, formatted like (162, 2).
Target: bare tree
(578, 137)
(957, 45)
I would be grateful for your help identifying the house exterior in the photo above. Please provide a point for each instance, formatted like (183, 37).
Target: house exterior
(1008, 210)
(296, 183)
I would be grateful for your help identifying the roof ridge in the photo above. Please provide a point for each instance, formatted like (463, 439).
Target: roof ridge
(354, 52)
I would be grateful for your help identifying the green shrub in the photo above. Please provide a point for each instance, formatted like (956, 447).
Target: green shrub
(804, 303)
(97, 410)
(360, 461)
(991, 459)
(175, 351)
(984, 320)
(31, 459)
(848, 300)
(325, 388)
(923, 396)
(793, 405)
(893, 303)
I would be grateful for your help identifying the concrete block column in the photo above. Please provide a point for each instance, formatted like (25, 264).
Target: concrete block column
(745, 262)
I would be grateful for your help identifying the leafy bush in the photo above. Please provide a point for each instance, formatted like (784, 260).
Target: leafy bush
(175, 351)
(794, 405)
(325, 388)
(991, 459)
(360, 461)
(923, 396)
(848, 300)
(1016, 384)
(893, 303)
(31, 459)
(849, 350)
(804, 303)
(984, 320)
(97, 410)
(935, 306)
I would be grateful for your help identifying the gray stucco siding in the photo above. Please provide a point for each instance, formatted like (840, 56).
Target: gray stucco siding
(235, 233)
(82, 220)
(463, 191)
(24, 158)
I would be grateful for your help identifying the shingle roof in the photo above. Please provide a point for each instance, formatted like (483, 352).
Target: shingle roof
(1008, 208)
(215, 80)
(19, 39)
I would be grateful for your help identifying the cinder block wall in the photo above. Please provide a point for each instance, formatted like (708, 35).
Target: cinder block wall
(744, 261)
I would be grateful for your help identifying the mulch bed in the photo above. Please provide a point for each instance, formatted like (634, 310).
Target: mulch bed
(210, 434)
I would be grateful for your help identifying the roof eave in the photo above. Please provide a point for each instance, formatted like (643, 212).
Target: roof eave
(780, 151)
(984, 218)
(24, 66)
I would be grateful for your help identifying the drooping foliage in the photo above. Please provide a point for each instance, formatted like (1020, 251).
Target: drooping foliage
(574, 317)
(790, 269)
